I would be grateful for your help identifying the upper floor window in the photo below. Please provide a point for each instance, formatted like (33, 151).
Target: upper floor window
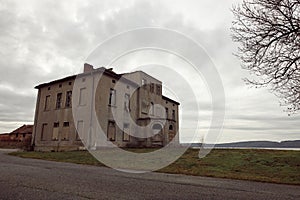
(158, 89)
(69, 99)
(82, 97)
(173, 114)
(151, 108)
(66, 124)
(127, 103)
(58, 100)
(112, 97)
(152, 87)
(47, 103)
(167, 113)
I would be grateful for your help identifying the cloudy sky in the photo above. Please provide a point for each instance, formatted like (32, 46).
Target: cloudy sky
(45, 40)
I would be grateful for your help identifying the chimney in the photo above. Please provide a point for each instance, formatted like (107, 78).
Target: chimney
(88, 67)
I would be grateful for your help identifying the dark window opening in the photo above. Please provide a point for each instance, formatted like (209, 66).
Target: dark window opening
(58, 100)
(47, 103)
(152, 87)
(111, 131)
(158, 89)
(69, 99)
(112, 97)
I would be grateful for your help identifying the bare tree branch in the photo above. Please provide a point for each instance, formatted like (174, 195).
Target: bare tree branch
(269, 35)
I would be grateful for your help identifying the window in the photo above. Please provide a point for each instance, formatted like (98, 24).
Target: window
(158, 89)
(152, 87)
(56, 124)
(49, 88)
(126, 132)
(173, 114)
(70, 83)
(80, 126)
(112, 97)
(151, 108)
(82, 96)
(167, 113)
(66, 131)
(47, 103)
(111, 131)
(170, 127)
(127, 103)
(144, 81)
(145, 106)
(55, 131)
(58, 100)
(44, 131)
(59, 85)
(69, 99)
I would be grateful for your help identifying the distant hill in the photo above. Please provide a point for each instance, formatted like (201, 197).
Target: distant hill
(256, 144)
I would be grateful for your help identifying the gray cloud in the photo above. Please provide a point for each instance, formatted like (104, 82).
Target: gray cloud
(45, 40)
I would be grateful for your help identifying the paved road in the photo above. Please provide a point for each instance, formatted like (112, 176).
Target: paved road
(38, 179)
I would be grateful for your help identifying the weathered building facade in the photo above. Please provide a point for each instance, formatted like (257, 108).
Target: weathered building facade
(123, 103)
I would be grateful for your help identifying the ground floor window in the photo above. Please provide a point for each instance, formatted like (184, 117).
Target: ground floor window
(126, 132)
(111, 131)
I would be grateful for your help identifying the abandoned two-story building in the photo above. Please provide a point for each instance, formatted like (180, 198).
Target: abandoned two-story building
(122, 102)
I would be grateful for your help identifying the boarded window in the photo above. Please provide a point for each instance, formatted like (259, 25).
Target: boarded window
(69, 99)
(158, 89)
(82, 96)
(127, 103)
(66, 131)
(111, 131)
(144, 82)
(145, 106)
(158, 136)
(80, 126)
(151, 108)
(173, 114)
(44, 131)
(126, 132)
(112, 97)
(47, 103)
(167, 113)
(58, 100)
(152, 87)
(55, 131)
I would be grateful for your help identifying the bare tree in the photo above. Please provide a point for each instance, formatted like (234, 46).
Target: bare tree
(269, 34)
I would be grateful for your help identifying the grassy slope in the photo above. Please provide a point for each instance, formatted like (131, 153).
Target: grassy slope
(259, 165)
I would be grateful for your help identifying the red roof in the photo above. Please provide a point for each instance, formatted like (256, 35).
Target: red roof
(23, 129)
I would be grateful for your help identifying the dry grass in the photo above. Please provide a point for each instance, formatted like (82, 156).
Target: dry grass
(259, 165)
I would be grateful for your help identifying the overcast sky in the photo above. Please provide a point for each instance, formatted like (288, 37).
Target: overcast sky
(45, 40)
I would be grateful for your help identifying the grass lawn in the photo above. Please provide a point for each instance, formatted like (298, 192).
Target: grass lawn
(247, 164)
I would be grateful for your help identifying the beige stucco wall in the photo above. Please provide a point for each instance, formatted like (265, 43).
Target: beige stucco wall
(103, 111)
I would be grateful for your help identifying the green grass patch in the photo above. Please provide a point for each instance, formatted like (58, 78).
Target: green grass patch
(247, 164)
